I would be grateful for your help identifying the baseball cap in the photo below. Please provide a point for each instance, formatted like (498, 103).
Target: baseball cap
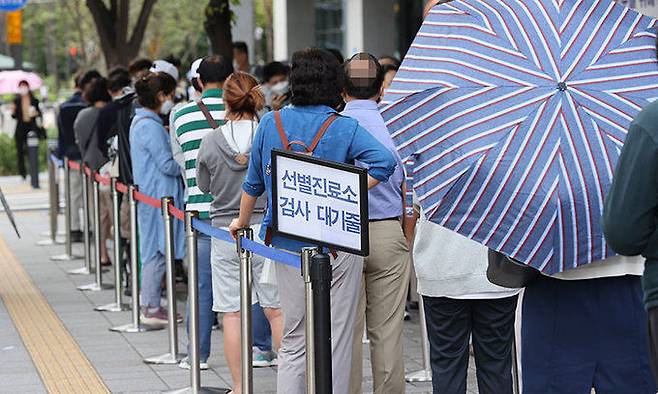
(194, 69)
(165, 67)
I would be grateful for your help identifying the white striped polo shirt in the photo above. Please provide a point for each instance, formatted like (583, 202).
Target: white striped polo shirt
(191, 126)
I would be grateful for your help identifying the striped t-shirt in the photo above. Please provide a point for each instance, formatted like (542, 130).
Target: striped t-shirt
(191, 126)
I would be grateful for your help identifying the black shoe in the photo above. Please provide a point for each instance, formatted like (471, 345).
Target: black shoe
(76, 236)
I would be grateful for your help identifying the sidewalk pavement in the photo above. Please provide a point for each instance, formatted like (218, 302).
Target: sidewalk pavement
(118, 357)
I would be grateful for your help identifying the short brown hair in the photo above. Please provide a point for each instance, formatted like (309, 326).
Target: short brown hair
(242, 94)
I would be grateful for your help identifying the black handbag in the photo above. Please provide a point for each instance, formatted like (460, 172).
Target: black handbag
(507, 272)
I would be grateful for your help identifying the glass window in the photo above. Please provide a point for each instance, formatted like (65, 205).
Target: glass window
(329, 29)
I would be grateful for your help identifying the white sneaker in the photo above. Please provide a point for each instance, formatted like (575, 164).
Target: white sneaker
(185, 364)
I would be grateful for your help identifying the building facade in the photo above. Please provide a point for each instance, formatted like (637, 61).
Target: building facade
(381, 27)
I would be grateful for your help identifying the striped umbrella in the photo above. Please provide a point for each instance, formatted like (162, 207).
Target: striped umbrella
(516, 112)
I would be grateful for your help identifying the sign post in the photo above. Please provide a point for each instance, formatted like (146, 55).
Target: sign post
(322, 203)
(14, 30)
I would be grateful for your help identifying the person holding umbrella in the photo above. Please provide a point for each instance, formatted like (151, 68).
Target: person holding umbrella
(516, 112)
(26, 112)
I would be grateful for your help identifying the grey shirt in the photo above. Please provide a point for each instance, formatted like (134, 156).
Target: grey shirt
(86, 137)
(218, 173)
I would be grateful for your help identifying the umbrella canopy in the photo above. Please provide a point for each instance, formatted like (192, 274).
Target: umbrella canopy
(9, 80)
(516, 112)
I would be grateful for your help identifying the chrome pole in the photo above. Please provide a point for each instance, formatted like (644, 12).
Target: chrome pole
(68, 245)
(193, 295)
(118, 305)
(98, 284)
(246, 277)
(173, 357)
(425, 374)
(136, 325)
(86, 270)
(53, 204)
(307, 255)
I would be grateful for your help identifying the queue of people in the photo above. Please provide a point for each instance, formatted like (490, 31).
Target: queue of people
(211, 152)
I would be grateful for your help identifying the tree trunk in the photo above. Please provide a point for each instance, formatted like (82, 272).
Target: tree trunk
(218, 27)
(112, 24)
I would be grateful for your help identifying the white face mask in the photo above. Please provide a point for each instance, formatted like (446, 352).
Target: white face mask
(166, 107)
(280, 88)
(23, 90)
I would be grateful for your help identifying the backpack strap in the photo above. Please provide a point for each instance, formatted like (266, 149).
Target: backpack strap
(282, 132)
(316, 139)
(204, 108)
(323, 129)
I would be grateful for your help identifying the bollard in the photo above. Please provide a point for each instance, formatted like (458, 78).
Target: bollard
(98, 284)
(68, 244)
(321, 283)
(86, 269)
(32, 143)
(173, 357)
(193, 294)
(118, 305)
(136, 325)
(53, 205)
(307, 255)
(246, 334)
(425, 374)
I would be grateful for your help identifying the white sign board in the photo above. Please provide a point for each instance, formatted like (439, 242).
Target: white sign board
(320, 202)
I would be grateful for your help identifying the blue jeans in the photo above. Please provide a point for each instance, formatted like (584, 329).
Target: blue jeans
(262, 331)
(151, 281)
(206, 314)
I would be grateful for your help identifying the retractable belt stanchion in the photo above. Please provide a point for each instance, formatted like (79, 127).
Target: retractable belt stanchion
(193, 286)
(86, 269)
(321, 284)
(425, 374)
(98, 285)
(68, 245)
(307, 255)
(118, 305)
(136, 325)
(53, 205)
(246, 338)
(173, 357)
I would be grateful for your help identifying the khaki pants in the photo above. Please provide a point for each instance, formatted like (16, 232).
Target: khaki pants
(76, 200)
(383, 295)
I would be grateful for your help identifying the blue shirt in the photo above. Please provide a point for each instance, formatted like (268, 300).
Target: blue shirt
(345, 141)
(385, 199)
(157, 174)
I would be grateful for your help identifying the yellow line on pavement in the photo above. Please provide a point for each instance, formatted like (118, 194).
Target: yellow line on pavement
(58, 358)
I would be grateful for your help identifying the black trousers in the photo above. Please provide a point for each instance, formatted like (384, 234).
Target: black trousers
(21, 141)
(450, 324)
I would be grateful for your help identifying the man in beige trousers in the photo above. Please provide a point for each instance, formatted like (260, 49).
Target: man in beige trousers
(385, 279)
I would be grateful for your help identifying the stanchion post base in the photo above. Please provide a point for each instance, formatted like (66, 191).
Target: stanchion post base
(95, 287)
(202, 390)
(80, 271)
(113, 307)
(50, 242)
(48, 234)
(166, 358)
(419, 376)
(65, 257)
(131, 328)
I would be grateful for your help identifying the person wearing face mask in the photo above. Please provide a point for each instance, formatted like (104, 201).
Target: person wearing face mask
(157, 174)
(275, 88)
(191, 123)
(26, 112)
(170, 69)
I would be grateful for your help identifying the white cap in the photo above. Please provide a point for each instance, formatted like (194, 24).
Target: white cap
(165, 67)
(194, 69)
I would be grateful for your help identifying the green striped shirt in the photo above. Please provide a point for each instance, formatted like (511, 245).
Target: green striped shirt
(191, 126)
